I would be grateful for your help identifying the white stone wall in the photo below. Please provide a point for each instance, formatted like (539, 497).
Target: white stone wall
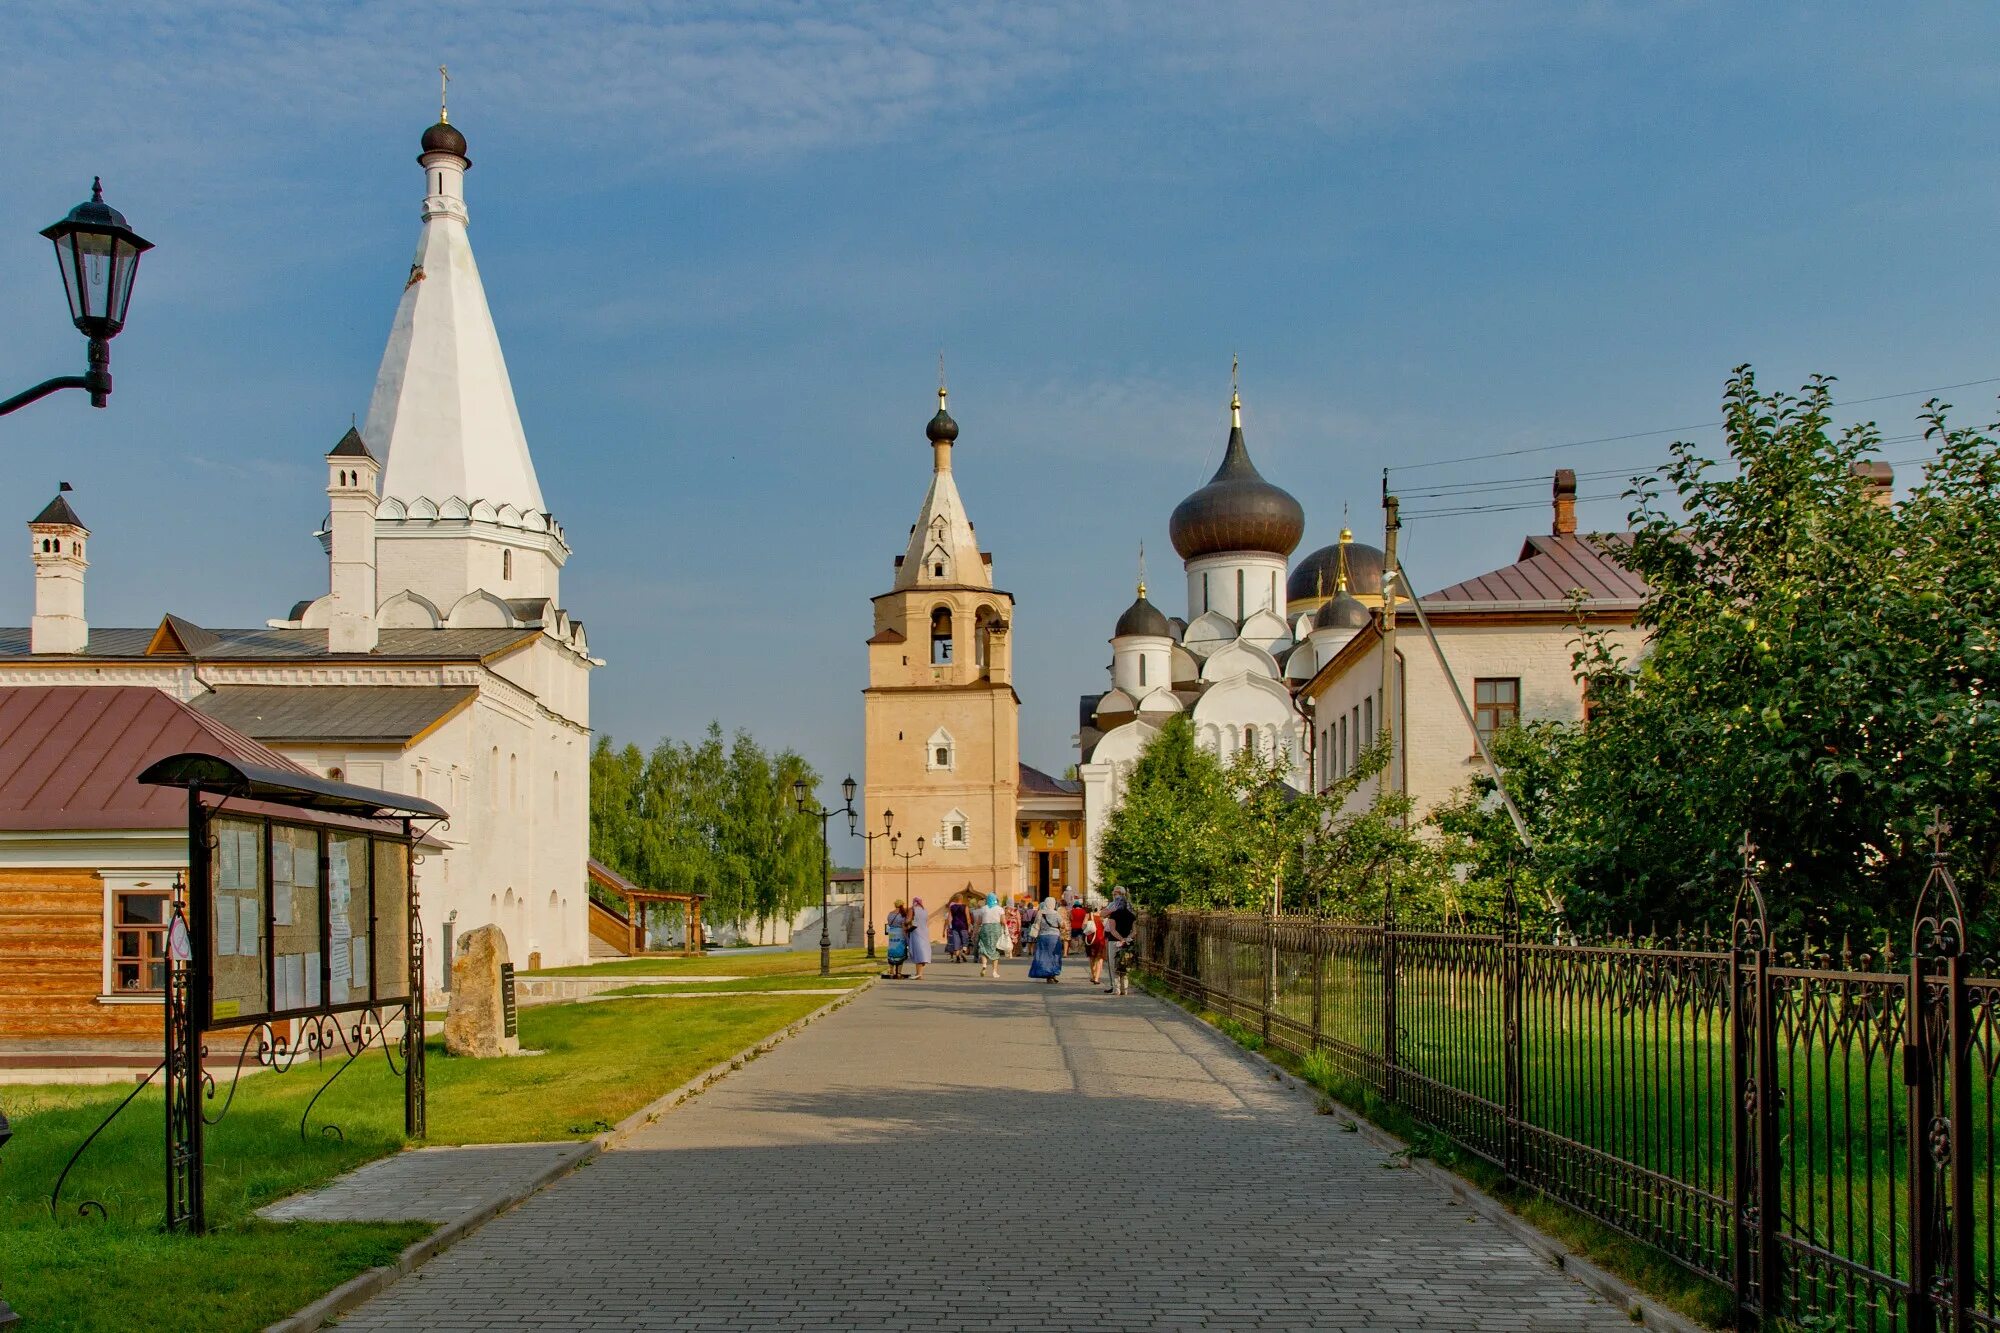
(1263, 584)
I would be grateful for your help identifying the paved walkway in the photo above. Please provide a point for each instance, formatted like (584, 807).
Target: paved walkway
(428, 1185)
(966, 1154)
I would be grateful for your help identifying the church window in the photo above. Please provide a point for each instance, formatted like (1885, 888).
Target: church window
(1241, 613)
(941, 752)
(952, 829)
(943, 756)
(1250, 733)
(1142, 671)
(1204, 591)
(416, 779)
(336, 775)
(941, 636)
(1274, 592)
(1340, 754)
(1368, 718)
(937, 571)
(506, 566)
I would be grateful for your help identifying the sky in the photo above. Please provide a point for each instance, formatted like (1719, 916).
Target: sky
(725, 245)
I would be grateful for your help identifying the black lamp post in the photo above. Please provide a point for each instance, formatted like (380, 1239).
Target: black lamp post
(825, 864)
(868, 875)
(99, 256)
(7, 1315)
(906, 858)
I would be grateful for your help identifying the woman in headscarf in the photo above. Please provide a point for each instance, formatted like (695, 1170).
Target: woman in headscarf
(897, 930)
(920, 936)
(992, 935)
(1051, 926)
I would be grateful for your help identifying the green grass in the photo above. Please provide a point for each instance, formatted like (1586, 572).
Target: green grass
(724, 964)
(838, 981)
(602, 1062)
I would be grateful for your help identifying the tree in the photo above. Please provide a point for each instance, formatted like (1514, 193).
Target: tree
(1819, 672)
(1167, 844)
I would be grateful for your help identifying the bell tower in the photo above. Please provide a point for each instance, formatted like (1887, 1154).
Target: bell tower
(941, 717)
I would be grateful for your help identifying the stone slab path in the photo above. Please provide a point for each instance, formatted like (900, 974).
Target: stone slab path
(958, 1153)
(428, 1185)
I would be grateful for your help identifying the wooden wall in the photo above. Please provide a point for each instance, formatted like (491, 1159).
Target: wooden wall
(52, 963)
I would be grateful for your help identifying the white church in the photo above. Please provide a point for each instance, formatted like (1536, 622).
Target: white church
(1256, 630)
(439, 661)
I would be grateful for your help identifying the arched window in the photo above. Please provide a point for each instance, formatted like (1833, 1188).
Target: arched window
(507, 566)
(941, 752)
(983, 622)
(1142, 671)
(1242, 611)
(954, 830)
(1204, 591)
(336, 774)
(1250, 740)
(941, 636)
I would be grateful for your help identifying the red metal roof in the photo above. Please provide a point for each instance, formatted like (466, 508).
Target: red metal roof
(69, 754)
(1548, 569)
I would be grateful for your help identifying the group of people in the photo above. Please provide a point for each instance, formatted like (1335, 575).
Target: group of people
(1050, 930)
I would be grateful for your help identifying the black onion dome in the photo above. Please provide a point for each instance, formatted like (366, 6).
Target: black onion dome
(1142, 617)
(1237, 511)
(941, 428)
(1341, 611)
(444, 137)
(1318, 575)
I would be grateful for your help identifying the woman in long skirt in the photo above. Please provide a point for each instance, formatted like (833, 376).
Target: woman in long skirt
(920, 936)
(899, 948)
(1051, 925)
(991, 935)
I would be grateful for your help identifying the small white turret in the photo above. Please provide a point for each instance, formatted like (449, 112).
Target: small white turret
(55, 539)
(351, 476)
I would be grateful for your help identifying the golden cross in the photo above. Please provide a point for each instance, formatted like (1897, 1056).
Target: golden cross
(444, 86)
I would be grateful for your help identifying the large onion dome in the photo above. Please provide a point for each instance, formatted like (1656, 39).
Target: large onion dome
(1237, 511)
(1142, 617)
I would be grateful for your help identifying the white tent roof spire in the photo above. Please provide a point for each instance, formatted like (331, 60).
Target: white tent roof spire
(443, 418)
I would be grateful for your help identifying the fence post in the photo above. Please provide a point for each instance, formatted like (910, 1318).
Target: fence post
(1319, 981)
(1389, 993)
(1937, 1068)
(1514, 1095)
(1752, 1212)
(1270, 973)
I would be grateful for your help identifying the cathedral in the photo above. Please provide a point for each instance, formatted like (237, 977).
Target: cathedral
(1257, 628)
(439, 660)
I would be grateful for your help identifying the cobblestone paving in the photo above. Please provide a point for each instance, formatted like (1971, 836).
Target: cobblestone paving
(428, 1185)
(1002, 1156)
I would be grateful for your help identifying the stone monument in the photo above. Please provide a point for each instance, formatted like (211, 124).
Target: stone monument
(477, 1022)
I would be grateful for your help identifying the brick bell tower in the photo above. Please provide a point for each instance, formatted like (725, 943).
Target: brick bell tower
(942, 724)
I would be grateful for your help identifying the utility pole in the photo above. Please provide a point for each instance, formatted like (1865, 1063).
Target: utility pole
(1391, 582)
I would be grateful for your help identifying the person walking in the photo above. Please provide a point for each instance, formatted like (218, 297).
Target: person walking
(920, 937)
(958, 930)
(897, 928)
(1120, 923)
(992, 936)
(1051, 925)
(1093, 945)
(1077, 916)
(1024, 925)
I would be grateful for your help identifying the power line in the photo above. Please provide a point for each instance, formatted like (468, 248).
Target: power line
(1502, 508)
(1671, 430)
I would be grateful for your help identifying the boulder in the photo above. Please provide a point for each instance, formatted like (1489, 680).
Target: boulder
(476, 1024)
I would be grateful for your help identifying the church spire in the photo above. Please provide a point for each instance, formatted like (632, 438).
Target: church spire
(443, 418)
(942, 546)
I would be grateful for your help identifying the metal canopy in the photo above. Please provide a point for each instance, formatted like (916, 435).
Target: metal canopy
(195, 771)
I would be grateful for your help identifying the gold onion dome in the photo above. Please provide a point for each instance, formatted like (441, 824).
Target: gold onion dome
(1238, 510)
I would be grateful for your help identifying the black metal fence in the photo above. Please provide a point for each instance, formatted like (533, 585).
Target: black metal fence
(1814, 1133)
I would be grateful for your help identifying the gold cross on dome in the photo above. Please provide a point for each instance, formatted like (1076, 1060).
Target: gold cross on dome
(444, 87)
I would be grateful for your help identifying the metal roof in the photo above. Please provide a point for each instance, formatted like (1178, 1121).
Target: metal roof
(356, 714)
(58, 511)
(289, 785)
(1549, 567)
(70, 754)
(1034, 782)
(277, 645)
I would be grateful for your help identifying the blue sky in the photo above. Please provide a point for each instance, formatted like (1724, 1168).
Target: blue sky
(725, 243)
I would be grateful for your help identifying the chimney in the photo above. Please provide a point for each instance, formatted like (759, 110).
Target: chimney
(351, 473)
(1878, 477)
(1565, 519)
(55, 541)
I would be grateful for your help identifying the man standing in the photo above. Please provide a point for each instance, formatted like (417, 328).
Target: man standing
(1120, 922)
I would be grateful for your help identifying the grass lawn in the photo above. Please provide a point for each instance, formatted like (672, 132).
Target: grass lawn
(838, 981)
(722, 963)
(602, 1062)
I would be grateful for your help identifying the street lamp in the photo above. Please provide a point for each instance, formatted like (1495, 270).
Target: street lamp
(99, 256)
(825, 863)
(906, 858)
(868, 874)
(7, 1314)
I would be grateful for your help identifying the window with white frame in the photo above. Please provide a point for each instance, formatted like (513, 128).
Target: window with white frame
(953, 830)
(136, 943)
(940, 752)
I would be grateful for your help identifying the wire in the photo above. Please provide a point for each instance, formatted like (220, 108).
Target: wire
(1501, 508)
(1670, 430)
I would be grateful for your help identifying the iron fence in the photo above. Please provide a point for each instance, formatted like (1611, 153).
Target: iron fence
(1814, 1133)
